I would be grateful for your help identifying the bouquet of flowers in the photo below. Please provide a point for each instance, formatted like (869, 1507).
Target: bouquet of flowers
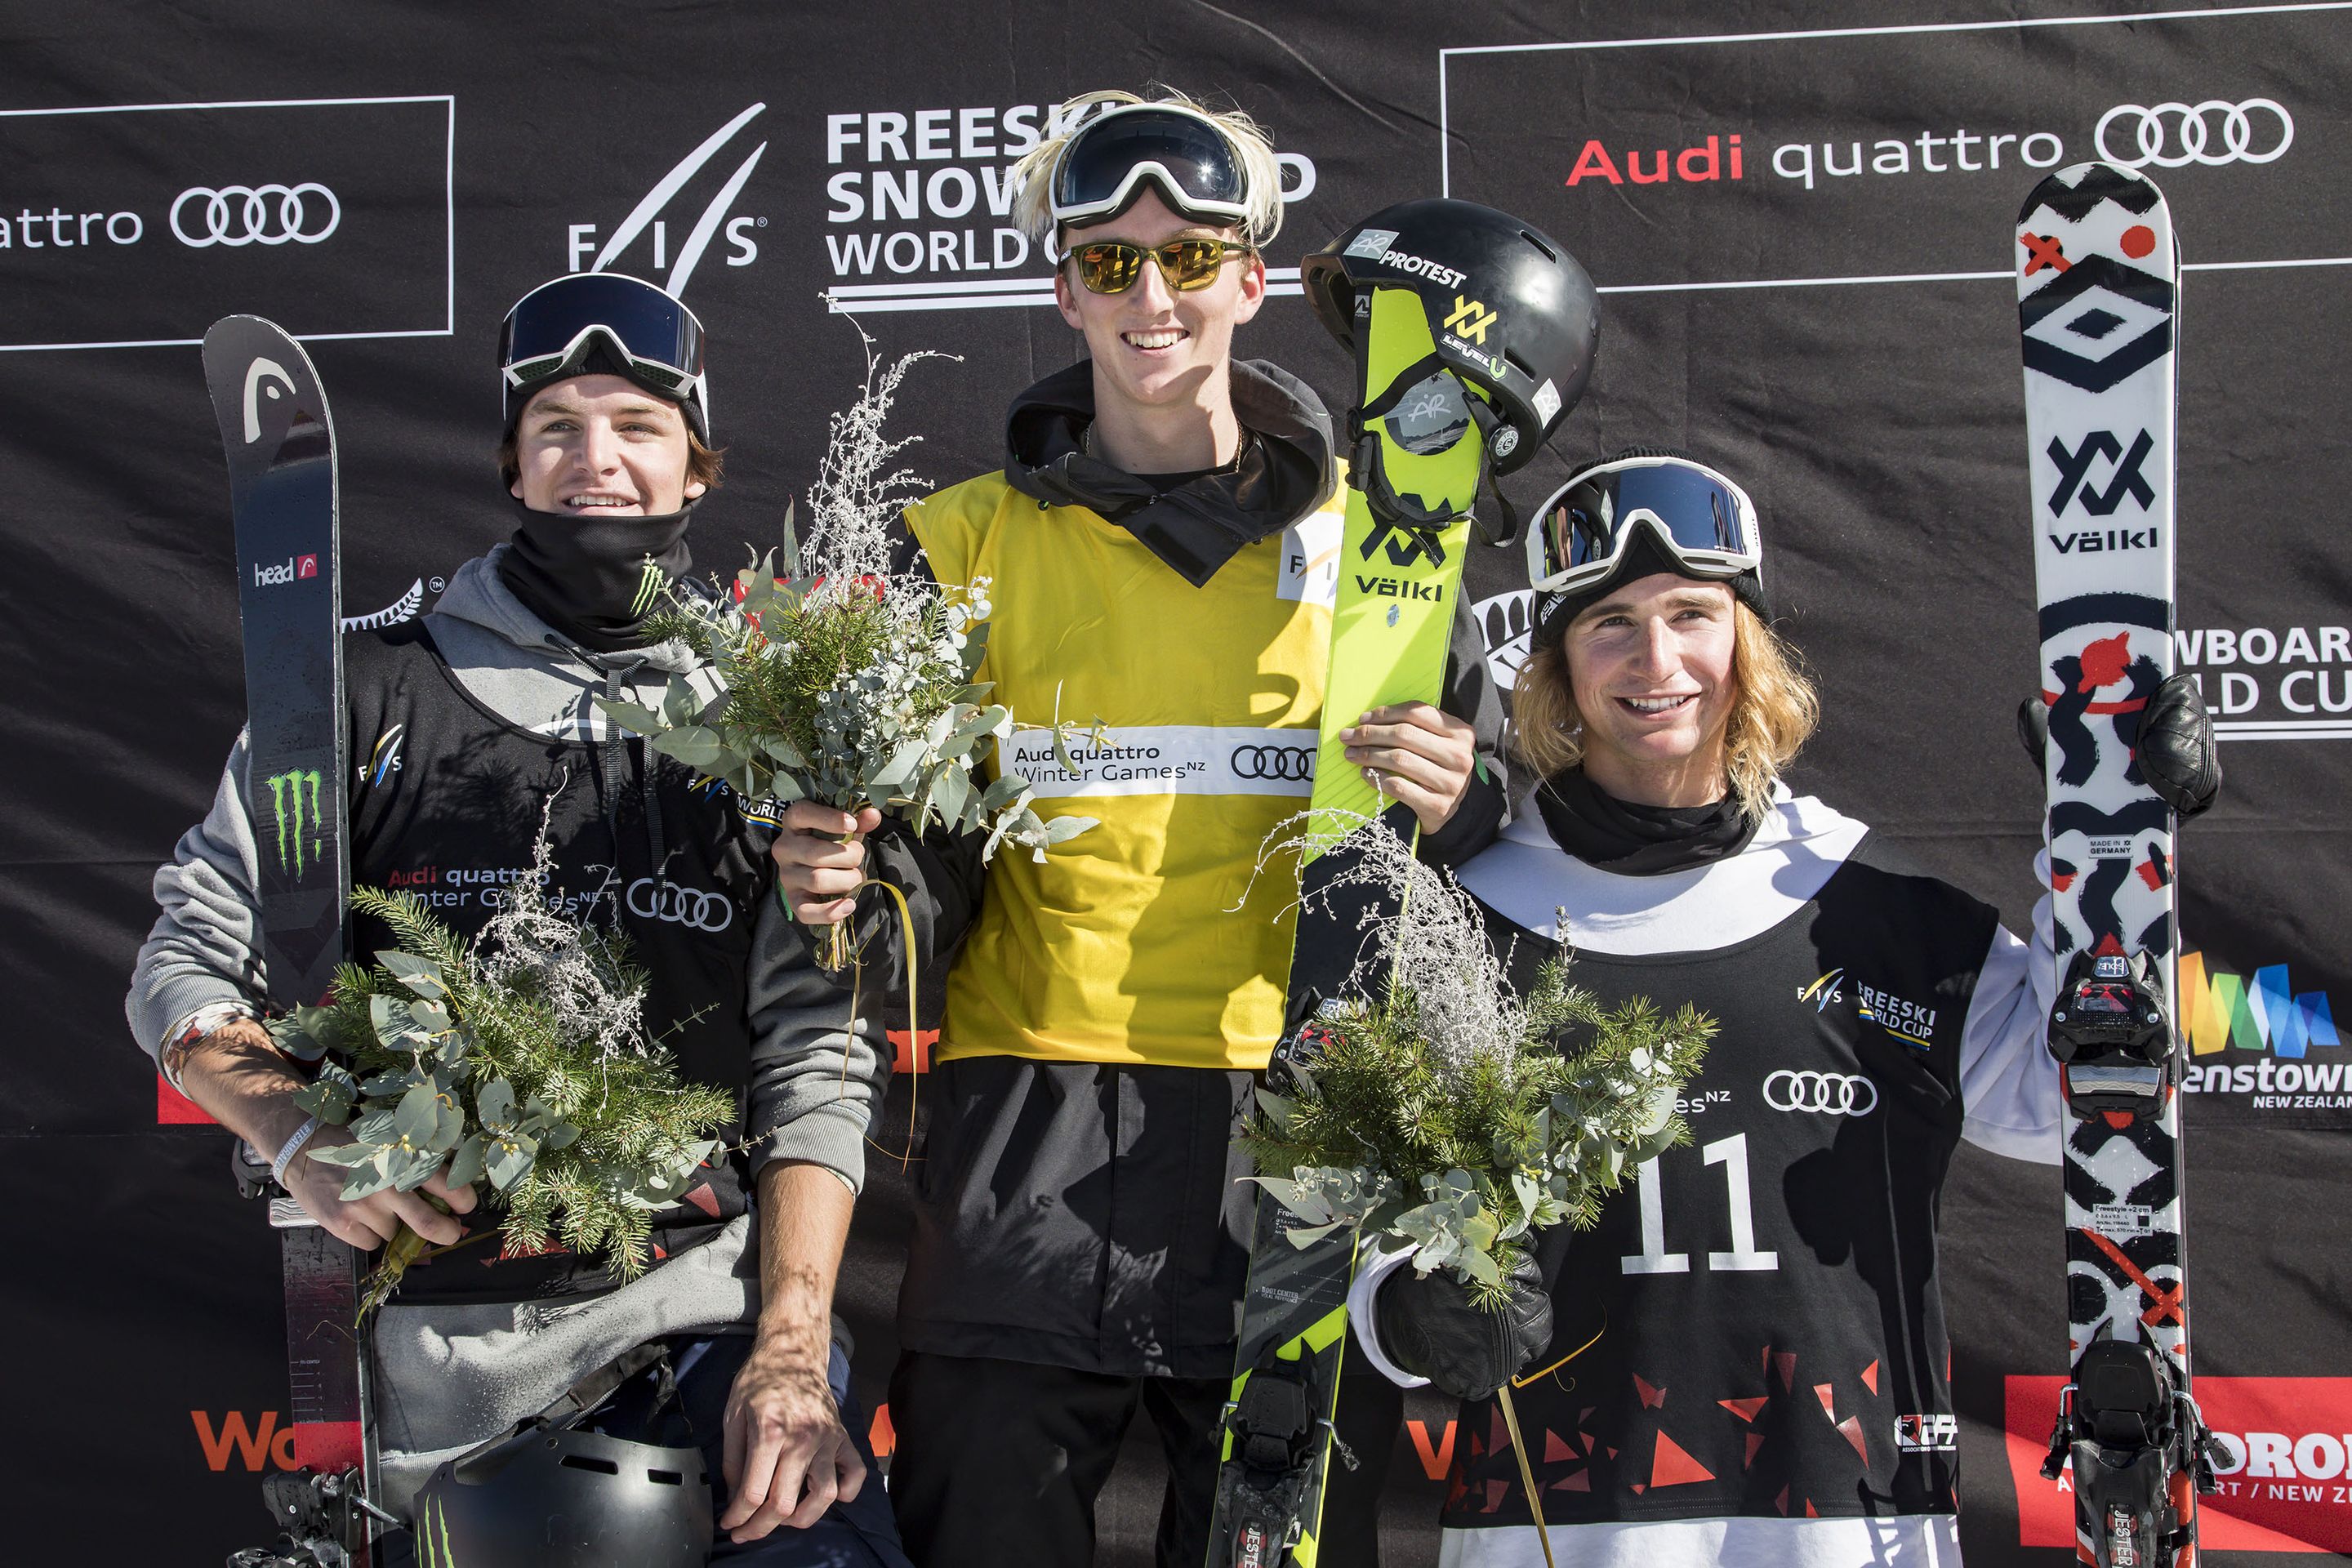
(519, 1058)
(1441, 1113)
(840, 680)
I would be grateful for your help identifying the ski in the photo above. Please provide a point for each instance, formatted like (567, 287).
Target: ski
(1419, 458)
(280, 442)
(2099, 282)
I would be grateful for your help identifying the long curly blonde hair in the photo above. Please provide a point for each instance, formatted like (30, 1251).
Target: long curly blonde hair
(1773, 714)
(1032, 207)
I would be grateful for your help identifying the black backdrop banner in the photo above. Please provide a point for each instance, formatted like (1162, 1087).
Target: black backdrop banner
(1798, 216)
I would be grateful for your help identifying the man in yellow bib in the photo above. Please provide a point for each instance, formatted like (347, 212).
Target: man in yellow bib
(1161, 548)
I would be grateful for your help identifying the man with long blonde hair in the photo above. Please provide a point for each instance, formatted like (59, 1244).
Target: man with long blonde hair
(1745, 1360)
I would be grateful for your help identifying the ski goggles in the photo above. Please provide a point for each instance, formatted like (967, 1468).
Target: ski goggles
(1704, 519)
(1185, 154)
(556, 328)
(1112, 266)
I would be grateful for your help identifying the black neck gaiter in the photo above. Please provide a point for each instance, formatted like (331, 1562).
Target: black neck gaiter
(596, 579)
(1636, 841)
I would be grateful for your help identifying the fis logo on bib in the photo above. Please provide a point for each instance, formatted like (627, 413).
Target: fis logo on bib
(384, 760)
(1825, 991)
(1931, 1434)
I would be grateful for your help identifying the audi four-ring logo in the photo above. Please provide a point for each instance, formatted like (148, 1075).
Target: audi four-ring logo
(1274, 763)
(1832, 1093)
(2153, 134)
(258, 215)
(688, 906)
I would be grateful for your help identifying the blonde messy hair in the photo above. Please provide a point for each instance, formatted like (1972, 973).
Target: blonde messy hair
(1774, 713)
(1032, 207)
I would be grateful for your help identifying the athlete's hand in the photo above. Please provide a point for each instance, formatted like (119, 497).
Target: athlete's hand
(820, 857)
(1415, 753)
(369, 1222)
(788, 1459)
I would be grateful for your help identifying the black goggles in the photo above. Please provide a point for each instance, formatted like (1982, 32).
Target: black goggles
(558, 326)
(1197, 168)
(1703, 519)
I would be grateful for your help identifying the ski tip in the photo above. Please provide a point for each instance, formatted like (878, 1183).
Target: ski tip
(2074, 191)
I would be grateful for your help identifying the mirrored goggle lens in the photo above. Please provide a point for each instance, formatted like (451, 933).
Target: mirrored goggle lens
(1111, 266)
(1699, 512)
(1193, 152)
(641, 319)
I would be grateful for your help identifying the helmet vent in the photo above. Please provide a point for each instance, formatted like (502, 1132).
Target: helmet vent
(1537, 241)
(1516, 363)
(665, 1477)
(588, 1462)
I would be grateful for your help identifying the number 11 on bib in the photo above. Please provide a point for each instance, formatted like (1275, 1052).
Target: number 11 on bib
(2098, 280)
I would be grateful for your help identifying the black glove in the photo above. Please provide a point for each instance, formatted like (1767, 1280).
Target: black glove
(1432, 1327)
(2176, 753)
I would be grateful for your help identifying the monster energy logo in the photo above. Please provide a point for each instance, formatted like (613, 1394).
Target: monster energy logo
(649, 584)
(294, 798)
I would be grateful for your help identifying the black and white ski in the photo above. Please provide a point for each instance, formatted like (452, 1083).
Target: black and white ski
(280, 441)
(2098, 280)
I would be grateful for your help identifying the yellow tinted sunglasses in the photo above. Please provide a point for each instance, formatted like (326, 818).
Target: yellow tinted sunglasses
(1112, 266)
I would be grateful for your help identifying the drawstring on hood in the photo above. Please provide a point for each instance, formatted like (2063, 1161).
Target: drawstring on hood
(1196, 526)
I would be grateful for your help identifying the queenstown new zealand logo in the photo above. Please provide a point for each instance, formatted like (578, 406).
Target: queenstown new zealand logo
(294, 801)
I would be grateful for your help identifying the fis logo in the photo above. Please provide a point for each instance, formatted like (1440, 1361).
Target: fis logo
(385, 760)
(1931, 1434)
(294, 801)
(2124, 479)
(1470, 319)
(1823, 992)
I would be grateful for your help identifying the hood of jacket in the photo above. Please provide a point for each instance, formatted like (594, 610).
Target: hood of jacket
(477, 597)
(1285, 473)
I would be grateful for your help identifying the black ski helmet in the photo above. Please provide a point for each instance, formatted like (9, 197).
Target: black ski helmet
(561, 1497)
(608, 323)
(1510, 309)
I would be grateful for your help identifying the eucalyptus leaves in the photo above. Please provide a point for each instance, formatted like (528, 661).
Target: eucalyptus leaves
(840, 680)
(1452, 1113)
(520, 1059)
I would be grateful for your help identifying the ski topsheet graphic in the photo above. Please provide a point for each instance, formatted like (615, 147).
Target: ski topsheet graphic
(2098, 288)
(1399, 577)
(278, 439)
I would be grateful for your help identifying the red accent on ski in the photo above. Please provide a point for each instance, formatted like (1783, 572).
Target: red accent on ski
(2165, 1298)
(2151, 876)
(2138, 240)
(1870, 1377)
(2120, 1120)
(327, 1447)
(1652, 1398)
(2060, 882)
(1671, 1467)
(2104, 662)
(1746, 1409)
(2039, 253)
(2133, 706)
(2109, 947)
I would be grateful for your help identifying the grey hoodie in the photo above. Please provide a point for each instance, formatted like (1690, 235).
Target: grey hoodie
(449, 1377)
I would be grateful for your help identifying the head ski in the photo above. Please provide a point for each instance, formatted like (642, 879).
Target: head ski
(2099, 282)
(280, 441)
